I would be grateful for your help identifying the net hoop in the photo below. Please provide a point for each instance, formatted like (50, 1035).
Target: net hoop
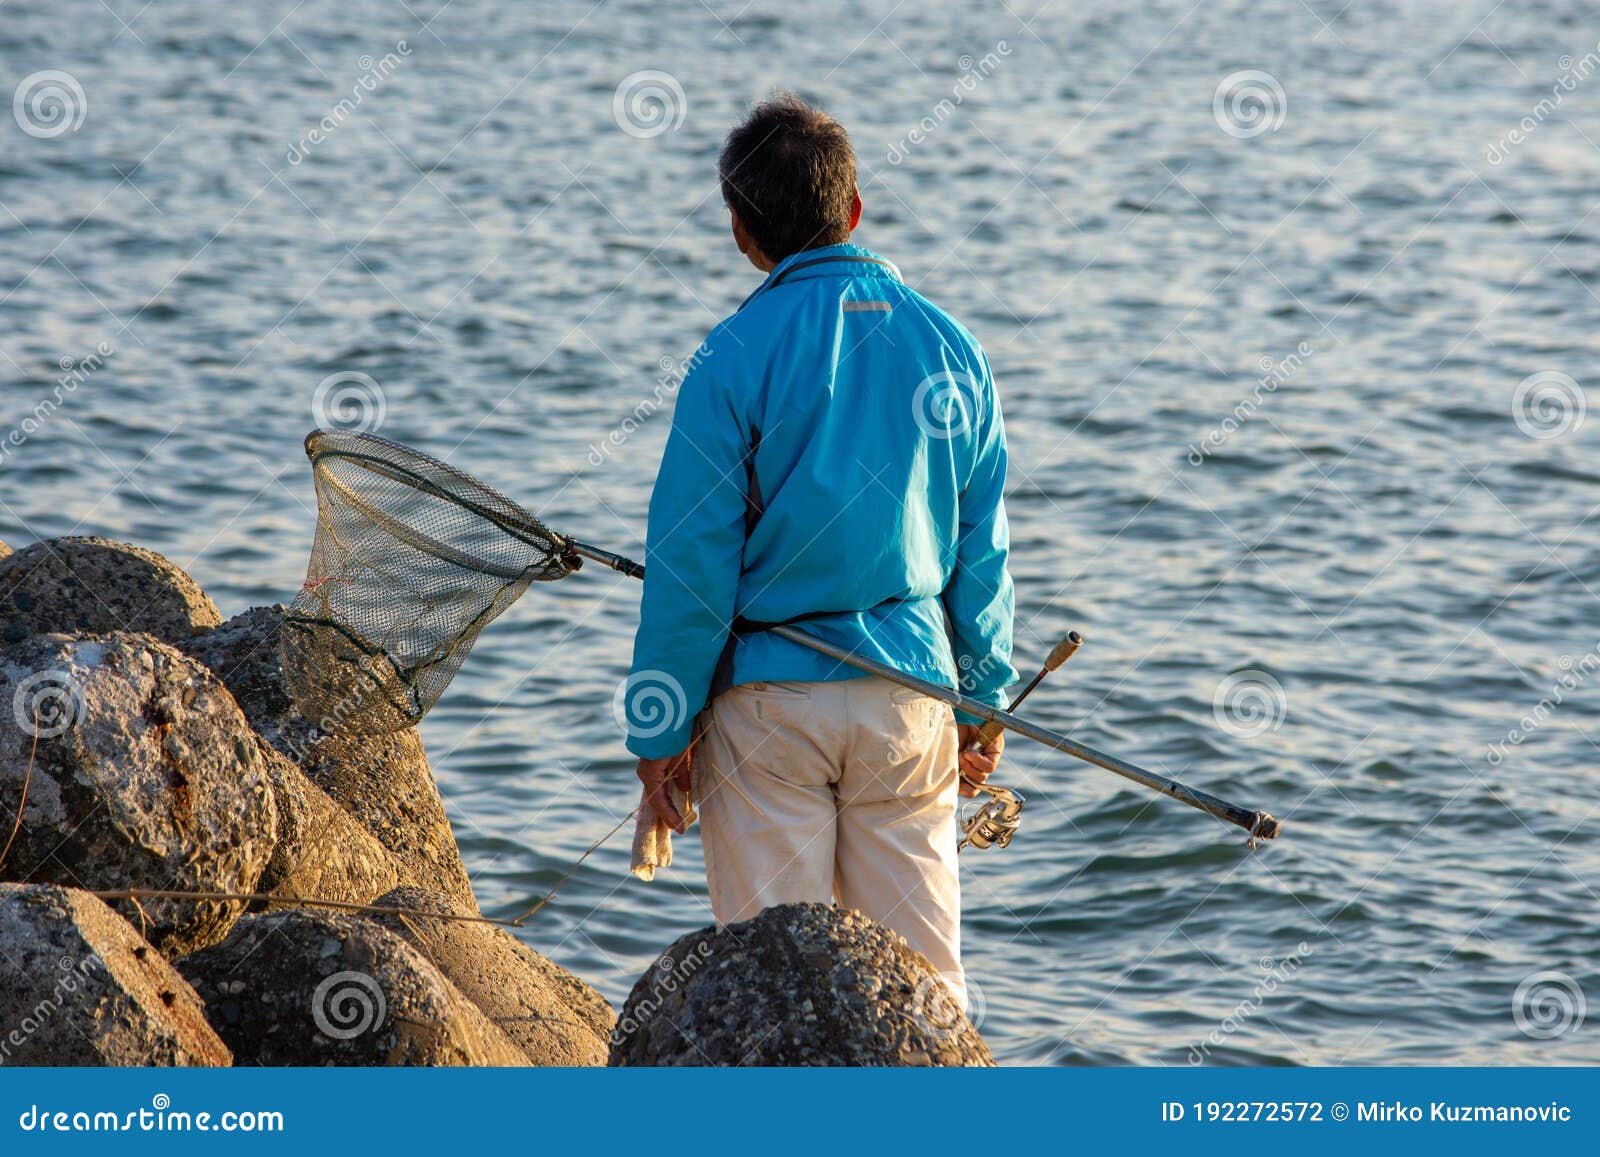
(411, 560)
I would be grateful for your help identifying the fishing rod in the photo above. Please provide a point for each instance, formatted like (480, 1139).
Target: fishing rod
(412, 558)
(1259, 824)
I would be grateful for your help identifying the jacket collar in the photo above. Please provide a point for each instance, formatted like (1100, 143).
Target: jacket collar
(828, 261)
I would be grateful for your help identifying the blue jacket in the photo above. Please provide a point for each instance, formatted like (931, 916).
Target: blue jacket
(836, 447)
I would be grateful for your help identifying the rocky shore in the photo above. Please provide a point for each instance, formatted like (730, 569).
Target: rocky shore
(148, 748)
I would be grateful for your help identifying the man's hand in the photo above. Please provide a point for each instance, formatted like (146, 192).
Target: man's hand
(977, 763)
(655, 774)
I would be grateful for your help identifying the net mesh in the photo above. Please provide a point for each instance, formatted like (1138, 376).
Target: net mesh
(412, 559)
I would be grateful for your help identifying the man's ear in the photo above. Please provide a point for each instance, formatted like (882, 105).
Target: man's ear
(855, 211)
(741, 235)
(747, 244)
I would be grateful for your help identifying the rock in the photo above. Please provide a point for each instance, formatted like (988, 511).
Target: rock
(384, 781)
(93, 585)
(243, 653)
(553, 1016)
(79, 987)
(5, 550)
(801, 984)
(318, 988)
(137, 770)
(322, 853)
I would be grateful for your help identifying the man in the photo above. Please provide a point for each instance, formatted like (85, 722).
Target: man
(836, 460)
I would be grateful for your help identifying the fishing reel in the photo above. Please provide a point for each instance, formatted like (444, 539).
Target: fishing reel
(994, 822)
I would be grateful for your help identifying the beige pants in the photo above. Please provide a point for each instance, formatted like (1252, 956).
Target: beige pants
(841, 791)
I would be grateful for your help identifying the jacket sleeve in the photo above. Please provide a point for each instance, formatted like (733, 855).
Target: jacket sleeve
(694, 548)
(979, 598)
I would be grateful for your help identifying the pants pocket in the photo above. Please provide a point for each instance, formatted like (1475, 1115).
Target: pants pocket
(777, 690)
(778, 731)
(781, 705)
(919, 748)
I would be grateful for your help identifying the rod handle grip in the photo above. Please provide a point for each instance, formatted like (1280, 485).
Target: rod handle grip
(1059, 654)
(1063, 650)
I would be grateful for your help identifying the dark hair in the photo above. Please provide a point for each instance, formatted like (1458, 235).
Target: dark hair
(790, 174)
